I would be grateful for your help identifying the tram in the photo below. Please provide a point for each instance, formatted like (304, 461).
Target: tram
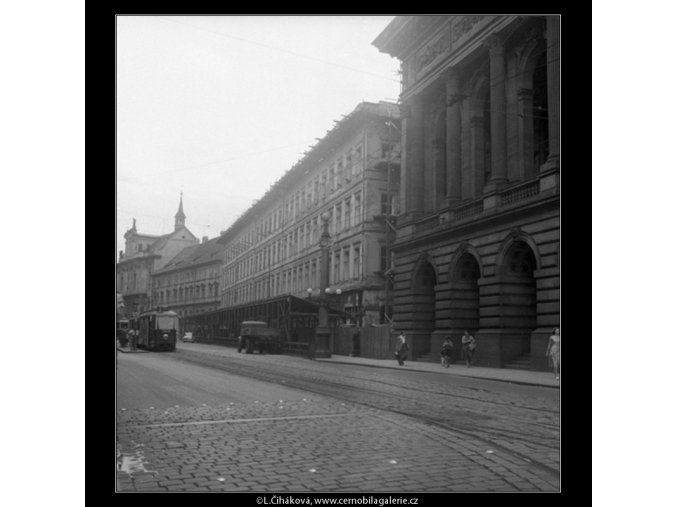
(158, 330)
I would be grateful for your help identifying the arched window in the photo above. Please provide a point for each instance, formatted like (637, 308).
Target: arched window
(532, 106)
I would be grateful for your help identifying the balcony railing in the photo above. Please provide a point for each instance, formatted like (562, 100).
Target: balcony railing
(520, 192)
(468, 210)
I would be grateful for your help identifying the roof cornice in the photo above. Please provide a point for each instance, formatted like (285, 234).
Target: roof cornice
(403, 33)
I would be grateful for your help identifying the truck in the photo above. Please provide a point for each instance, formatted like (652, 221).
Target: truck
(256, 335)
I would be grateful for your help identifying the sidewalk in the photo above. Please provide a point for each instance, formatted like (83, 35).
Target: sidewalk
(526, 377)
(536, 378)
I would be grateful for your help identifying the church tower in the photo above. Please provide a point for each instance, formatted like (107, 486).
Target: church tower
(180, 217)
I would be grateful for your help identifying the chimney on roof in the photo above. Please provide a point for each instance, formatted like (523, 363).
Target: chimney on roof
(205, 239)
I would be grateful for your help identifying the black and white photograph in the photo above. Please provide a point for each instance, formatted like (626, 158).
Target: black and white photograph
(337, 259)
(338, 255)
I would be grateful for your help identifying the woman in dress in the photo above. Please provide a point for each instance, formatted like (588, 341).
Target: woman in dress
(468, 347)
(553, 352)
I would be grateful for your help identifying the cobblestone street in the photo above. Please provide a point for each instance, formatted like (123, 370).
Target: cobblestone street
(311, 442)
(313, 445)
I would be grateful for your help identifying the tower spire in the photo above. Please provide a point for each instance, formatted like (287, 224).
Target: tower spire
(132, 230)
(180, 217)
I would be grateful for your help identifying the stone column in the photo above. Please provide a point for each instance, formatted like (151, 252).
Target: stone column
(454, 99)
(525, 124)
(499, 168)
(477, 153)
(553, 93)
(414, 161)
(439, 164)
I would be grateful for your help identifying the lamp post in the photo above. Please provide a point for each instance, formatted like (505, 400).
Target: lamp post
(330, 297)
(321, 347)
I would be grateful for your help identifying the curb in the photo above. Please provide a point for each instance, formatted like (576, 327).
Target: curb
(393, 367)
(509, 381)
(127, 351)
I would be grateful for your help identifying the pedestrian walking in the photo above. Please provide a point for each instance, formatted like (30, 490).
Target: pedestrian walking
(468, 346)
(447, 349)
(552, 352)
(401, 349)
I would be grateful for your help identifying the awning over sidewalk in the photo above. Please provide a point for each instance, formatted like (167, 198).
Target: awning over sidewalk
(295, 306)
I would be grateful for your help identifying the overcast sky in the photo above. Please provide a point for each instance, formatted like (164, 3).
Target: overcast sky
(220, 107)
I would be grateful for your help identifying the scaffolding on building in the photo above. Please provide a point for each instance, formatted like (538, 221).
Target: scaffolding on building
(390, 219)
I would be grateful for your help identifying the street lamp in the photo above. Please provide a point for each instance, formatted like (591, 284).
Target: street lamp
(330, 298)
(321, 346)
(309, 291)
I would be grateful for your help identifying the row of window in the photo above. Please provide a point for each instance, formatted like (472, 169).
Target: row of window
(345, 264)
(183, 313)
(186, 276)
(343, 170)
(334, 177)
(348, 167)
(131, 281)
(140, 247)
(342, 216)
(186, 294)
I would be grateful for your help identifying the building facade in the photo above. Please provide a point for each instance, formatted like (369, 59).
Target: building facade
(477, 242)
(143, 255)
(352, 177)
(189, 283)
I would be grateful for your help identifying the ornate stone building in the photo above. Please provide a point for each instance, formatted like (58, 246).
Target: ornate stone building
(477, 243)
(189, 283)
(143, 255)
(272, 249)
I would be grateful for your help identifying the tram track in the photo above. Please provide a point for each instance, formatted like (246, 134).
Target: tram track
(476, 420)
(479, 433)
(274, 376)
(304, 378)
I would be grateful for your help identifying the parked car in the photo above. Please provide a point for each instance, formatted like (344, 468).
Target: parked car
(188, 337)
